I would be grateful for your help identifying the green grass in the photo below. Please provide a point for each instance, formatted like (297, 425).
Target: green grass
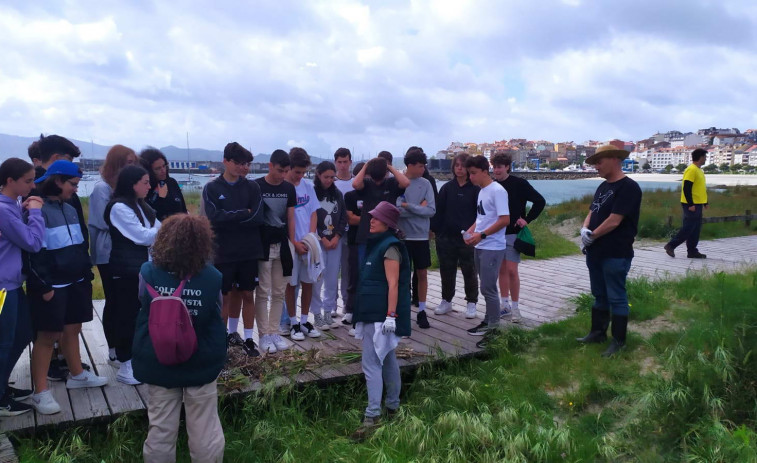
(657, 206)
(683, 392)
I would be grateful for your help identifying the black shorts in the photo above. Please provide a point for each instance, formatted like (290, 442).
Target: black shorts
(420, 254)
(69, 305)
(242, 275)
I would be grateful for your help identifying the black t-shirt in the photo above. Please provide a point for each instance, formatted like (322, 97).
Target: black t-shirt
(276, 198)
(351, 205)
(372, 194)
(622, 197)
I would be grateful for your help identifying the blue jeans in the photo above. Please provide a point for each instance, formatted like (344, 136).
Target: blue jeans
(15, 333)
(608, 284)
(690, 229)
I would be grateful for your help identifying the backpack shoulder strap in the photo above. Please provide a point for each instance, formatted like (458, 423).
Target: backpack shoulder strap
(151, 290)
(180, 288)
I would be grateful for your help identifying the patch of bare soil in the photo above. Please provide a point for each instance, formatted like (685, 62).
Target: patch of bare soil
(569, 229)
(647, 328)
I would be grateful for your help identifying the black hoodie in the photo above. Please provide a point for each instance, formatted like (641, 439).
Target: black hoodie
(236, 214)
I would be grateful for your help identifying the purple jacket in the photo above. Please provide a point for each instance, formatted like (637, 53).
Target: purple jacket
(15, 236)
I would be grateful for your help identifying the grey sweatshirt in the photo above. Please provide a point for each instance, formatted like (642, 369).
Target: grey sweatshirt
(99, 236)
(415, 219)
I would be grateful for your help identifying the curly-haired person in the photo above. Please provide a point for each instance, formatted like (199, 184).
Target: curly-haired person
(183, 250)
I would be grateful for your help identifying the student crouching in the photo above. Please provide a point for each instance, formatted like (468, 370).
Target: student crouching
(183, 250)
(382, 313)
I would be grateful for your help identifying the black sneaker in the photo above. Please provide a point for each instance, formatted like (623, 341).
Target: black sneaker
(485, 340)
(479, 330)
(234, 339)
(9, 407)
(422, 320)
(18, 394)
(249, 348)
(669, 250)
(697, 255)
(64, 365)
(55, 372)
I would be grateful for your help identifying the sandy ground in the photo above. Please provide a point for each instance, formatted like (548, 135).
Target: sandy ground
(712, 179)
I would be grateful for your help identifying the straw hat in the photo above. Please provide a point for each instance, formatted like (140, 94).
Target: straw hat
(606, 151)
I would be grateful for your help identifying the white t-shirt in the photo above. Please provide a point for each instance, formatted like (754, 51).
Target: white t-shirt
(345, 186)
(492, 203)
(307, 203)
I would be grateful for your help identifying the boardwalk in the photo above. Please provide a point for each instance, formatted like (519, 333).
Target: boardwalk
(546, 289)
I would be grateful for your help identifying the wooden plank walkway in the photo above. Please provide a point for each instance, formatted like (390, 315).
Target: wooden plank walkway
(546, 289)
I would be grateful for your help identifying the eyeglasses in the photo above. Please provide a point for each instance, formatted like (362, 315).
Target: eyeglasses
(75, 185)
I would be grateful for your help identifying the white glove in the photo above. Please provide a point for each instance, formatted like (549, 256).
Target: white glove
(389, 326)
(586, 238)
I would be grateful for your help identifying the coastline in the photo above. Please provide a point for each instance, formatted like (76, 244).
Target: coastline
(712, 179)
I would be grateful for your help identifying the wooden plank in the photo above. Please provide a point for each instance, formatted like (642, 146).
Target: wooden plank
(7, 453)
(120, 397)
(90, 402)
(21, 378)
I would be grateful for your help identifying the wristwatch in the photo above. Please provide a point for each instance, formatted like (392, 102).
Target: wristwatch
(483, 235)
(392, 314)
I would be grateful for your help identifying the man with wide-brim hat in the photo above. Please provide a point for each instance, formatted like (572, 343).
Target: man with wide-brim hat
(607, 236)
(607, 151)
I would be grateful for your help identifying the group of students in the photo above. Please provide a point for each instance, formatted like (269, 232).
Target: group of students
(267, 239)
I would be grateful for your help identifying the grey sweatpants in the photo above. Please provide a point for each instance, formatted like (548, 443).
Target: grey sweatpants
(344, 271)
(378, 376)
(487, 265)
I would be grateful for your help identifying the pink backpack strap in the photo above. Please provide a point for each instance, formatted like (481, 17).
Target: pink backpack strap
(151, 290)
(178, 291)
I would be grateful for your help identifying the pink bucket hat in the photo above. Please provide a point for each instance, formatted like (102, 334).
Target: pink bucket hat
(387, 213)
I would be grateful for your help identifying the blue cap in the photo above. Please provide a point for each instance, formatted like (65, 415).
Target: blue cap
(61, 167)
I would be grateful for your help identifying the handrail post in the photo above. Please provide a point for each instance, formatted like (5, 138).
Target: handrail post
(748, 222)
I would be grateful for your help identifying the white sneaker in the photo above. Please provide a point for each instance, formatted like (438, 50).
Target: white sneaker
(310, 330)
(516, 314)
(444, 307)
(471, 311)
(347, 319)
(297, 333)
(352, 332)
(267, 345)
(88, 379)
(279, 342)
(126, 374)
(44, 403)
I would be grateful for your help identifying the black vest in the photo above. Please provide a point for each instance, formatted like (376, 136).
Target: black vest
(126, 256)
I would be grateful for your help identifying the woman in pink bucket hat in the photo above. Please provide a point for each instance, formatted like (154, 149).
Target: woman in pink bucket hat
(382, 313)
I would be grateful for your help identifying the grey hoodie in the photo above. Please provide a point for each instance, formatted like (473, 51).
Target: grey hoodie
(415, 219)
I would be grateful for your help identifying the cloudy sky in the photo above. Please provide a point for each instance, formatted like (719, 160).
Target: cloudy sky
(374, 75)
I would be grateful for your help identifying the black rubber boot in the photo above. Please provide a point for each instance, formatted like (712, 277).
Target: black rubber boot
(619, 328)
(600, 320)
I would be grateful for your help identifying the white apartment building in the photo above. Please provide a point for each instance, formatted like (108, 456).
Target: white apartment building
(660, 158)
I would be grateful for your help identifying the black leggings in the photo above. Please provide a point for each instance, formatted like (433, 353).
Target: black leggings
(106, 276)
(124, 317)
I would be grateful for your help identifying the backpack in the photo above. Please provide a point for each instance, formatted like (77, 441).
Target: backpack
(170, 326)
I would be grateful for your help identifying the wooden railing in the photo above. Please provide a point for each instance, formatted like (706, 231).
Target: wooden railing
(746, 218)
